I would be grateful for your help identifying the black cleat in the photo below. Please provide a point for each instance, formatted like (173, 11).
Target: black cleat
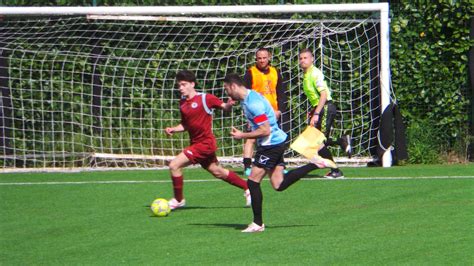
(334, 174)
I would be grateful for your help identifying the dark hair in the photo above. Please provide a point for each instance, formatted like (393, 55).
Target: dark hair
(185, 75)
(306, 50)
(233, 78)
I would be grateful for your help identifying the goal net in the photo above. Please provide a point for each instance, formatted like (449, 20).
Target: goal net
(96, 89)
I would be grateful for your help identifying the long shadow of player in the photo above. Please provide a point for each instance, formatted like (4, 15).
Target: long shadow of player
(210, 207)
(243, 226)
(308, 176)
(190, 208)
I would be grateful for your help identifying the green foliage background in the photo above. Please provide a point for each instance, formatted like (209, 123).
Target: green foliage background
(429, 61)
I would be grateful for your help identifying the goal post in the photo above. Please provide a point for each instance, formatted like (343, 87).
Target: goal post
(195, 10)
(93, 87)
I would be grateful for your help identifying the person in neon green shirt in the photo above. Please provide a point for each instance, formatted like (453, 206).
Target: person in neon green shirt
(323, 110)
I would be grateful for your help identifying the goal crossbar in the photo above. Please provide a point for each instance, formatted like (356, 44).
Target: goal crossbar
(217, 19)
(192, 10)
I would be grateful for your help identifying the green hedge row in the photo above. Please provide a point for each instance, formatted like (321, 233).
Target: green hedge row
(429, 62)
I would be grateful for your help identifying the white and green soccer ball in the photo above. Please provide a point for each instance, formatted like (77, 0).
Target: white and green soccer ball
(160, 207)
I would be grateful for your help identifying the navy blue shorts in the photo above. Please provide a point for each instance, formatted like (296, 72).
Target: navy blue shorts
(268, 157)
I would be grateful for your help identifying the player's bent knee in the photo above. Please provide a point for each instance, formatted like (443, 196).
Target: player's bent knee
(174, 166)
(219, 175)
(217, 172)
(279, 189)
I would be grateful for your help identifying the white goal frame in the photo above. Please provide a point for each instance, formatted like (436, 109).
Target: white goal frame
(381, 8)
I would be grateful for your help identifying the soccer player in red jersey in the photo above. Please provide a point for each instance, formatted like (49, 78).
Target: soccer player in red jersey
(196, 119)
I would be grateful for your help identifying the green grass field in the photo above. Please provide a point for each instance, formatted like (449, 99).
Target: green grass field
(400, 215)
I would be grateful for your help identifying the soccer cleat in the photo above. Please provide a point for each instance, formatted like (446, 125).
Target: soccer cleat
(254, 228)
(333, 174)
(247, 171)
(347, 145)
(321, 162)
(248, 199)
(174, 204)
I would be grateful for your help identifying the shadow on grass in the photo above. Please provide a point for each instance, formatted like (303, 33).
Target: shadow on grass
(235, 226)
(205, 207)
(314, 176)
(243, 226)
(241, 173)
(211, 207)
(191, 208)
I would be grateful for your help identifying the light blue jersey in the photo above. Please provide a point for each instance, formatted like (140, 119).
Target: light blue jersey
(258, 111)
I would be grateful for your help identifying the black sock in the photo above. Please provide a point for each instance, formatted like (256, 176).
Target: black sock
(330, 142)
(247, 162)
(325, 153)
(340, 142)
(257, 199)
(294, 175)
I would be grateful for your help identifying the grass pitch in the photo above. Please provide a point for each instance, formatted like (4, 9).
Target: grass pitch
(398, 215)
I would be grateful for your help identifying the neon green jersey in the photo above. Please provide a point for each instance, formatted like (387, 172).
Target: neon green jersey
(314, 84)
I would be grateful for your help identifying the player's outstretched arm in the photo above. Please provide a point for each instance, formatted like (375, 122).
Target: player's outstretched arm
(262, 131)
(228, 105)
(171, 130)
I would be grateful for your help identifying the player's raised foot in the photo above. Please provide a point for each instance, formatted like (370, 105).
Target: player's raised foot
(254, 228)
(347, 145)
(174, 204)
(334, 174)
(248, 199)
(247, 171)
(321, 162)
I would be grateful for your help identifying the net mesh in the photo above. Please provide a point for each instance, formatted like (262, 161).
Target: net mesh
(99, 91)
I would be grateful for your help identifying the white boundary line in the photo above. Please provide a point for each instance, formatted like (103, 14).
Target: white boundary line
(216, 180)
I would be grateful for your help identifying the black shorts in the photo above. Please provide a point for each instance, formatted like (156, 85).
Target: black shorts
(268, 157)
(326, 118)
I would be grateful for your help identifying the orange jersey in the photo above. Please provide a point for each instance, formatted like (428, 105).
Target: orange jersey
(266, 84)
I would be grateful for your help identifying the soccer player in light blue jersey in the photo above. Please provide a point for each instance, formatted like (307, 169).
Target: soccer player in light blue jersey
(268, 159)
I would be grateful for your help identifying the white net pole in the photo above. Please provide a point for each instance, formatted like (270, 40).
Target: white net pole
(385, 72)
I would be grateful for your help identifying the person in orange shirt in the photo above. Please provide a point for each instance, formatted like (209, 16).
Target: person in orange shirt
(266, 80)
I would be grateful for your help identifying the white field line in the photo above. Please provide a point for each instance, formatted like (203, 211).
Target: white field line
(217, 180)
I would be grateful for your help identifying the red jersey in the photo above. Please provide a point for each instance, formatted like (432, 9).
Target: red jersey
(196, 117)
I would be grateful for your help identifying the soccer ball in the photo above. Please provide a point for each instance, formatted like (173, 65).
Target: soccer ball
(160, 207)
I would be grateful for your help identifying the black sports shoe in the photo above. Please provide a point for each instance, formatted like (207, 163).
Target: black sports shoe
(346, 145)
(336, 173)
